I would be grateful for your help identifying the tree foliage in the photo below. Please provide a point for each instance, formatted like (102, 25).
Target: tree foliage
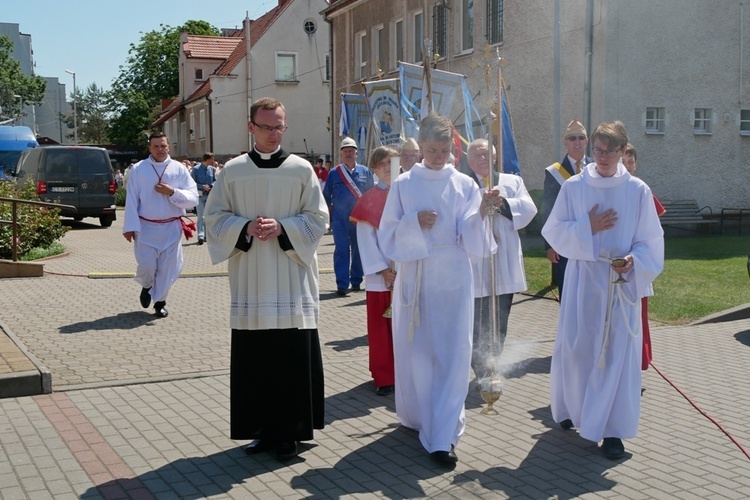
(14, 83)
(92, 115)
(150, 73)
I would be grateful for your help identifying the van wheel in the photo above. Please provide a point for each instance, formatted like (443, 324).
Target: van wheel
(105, 220)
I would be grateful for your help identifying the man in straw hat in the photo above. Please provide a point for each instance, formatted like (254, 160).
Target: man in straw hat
(575, 141)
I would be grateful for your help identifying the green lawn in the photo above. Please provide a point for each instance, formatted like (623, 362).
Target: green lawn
(702, 275)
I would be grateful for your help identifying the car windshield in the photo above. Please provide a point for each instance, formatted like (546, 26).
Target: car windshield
(8, 160)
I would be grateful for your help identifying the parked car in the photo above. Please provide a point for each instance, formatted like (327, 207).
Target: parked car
(80, 176)
(13, 141)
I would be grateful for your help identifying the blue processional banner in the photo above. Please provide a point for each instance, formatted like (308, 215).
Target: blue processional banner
(354, 121)
(383, 101)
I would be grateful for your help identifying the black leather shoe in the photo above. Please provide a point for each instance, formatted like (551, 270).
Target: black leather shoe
(445, 457)
(566, 424)
(612, 448)
(160, 310)
(356, 288)
(259, 446)
(341, 292)
(287, 450)
(201, 240)
(384, 390)
(145, 297)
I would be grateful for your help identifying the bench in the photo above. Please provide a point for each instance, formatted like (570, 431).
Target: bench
(685, 215)
(733, 217)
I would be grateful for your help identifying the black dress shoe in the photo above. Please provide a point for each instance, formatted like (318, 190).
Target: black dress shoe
(201, 240)
(356, 288)
(566, 424)
(259, 446)
(384, 390)
(145, 297)
(612, 448)
(160, 310)
(341, 292)
(287, 450)
(445, 457)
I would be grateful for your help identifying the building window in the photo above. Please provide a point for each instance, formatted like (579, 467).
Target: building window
(439, 29)
(655, 121)
(286, 67)
(175, 131)
(166, 128)
(198, 73)
(378, 46)
(397, 42)
(360, 53)
(745, 122)
(309, 26)
(192, 126)
(494, 21)
(467, 25)
(202, 124)
(703, 121)
(418, 39)
(327, 76)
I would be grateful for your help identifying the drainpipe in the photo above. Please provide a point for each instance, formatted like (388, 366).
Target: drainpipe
(248, 80)
(589, 35)
(557, 79)
(331, 99)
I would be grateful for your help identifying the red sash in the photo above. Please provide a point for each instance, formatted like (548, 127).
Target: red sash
(188, 228)
(344, 174)
(369, 207)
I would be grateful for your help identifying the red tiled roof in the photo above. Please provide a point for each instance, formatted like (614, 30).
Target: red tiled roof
(259, 26)
(209, 47)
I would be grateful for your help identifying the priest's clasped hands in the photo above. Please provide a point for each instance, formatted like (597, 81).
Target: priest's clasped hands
(264, 228)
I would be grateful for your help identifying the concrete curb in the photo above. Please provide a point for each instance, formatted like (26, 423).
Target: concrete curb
(26, 383)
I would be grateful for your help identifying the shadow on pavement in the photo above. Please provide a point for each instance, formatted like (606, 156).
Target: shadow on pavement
(209, 476)
(743, 337)
(122, 321)
(356, 402)
(556, 454)
(397, 453)
(348, 344)
(80, 225)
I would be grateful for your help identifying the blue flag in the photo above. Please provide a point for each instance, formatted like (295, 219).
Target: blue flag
(511, 165)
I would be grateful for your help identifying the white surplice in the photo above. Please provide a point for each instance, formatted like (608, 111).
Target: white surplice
(271, 288)
(510, 276)
(433, 306)
(596, 363)
(157, 246)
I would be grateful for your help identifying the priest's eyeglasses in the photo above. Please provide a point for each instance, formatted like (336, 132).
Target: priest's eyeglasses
(611, 153)
(269, 129)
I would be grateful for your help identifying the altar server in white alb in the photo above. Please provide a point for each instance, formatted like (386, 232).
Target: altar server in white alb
(602, 214)
(159, 191)
(515, 211)
(430, 224)
(266, 215)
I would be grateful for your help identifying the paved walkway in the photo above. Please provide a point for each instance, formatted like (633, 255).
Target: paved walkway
(140, 405)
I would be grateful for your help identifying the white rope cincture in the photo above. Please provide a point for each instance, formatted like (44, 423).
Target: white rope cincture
(623, 299)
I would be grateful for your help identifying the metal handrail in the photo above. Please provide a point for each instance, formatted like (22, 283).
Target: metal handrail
(14, 222)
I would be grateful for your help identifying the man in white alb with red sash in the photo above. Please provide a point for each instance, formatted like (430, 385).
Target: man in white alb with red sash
(344, 186)
(159, 190)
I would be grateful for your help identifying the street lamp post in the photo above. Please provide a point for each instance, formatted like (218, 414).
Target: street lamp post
(75, 113)
(20, 107)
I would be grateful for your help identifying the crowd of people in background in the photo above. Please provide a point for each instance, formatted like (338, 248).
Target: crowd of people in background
(416, 234)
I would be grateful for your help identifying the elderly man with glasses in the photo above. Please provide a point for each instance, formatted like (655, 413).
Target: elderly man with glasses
(575, 141)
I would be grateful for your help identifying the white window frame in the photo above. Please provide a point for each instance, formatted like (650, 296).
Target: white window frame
(378, 47)
(397, 46)
(175, 138)
(165, 128)
(745, 122)
(360, 55)
(199, 74)
(417, 38)
(202, 124)
(703, 121)
(440, 37)
(463, 26)
(282, 54)
(655, 120)
(192, 127)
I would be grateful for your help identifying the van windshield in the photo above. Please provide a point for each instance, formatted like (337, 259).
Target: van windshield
(8, 160)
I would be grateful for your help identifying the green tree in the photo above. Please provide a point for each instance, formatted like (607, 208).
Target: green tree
(151, 73)
(92, 113)
(14, 83)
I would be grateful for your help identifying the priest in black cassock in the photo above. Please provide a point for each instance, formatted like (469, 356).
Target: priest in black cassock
(265, 215)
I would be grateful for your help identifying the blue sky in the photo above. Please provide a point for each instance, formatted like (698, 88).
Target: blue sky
(93, 37)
